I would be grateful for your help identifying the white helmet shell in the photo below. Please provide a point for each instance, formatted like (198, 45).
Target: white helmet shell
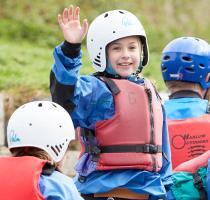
(42, 124)
(109, 27)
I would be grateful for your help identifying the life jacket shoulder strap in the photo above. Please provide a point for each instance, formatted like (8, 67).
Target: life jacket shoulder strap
(198, 183)
(208, 109)
(48, 169)
(109, 83)
(91, 147)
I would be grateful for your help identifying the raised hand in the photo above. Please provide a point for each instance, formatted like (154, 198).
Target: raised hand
(70, 25)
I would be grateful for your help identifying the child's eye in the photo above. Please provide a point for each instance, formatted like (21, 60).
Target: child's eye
(132, 47)
(116, 48)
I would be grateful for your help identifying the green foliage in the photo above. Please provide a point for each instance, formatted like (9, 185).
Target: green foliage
(22, 64)
(29, 32)
(25, 65)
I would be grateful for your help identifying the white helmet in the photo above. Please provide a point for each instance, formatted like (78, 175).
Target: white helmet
(111, 26)
(42, 124)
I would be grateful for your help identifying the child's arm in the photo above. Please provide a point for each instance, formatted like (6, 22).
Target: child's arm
(86, 98)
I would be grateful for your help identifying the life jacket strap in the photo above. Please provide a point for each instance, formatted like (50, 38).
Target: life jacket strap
(48, 169)
(208, 108)
(93, 149)
(138, 148)
(199, 185)
(111, 85)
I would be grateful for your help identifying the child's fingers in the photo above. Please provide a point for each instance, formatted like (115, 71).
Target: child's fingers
(85, 26)
(70, 12)
(65, 15)
(60, 21)
(76, 13)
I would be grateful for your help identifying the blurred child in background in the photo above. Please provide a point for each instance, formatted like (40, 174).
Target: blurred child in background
(38, 136)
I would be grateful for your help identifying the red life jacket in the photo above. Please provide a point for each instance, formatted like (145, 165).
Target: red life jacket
(132, 138)
(189, 138)
(20, 178)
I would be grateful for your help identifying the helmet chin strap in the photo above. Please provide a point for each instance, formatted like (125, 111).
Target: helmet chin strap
(140, 67)
(109, 69)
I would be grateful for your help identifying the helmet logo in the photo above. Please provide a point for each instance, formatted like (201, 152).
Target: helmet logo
(126, 21)
(178, 76)
(13, 138)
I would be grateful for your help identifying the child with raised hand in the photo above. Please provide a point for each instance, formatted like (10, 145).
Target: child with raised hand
(38, 136)
(124, 136)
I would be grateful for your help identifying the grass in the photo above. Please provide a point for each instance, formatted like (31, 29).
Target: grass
(28, 66)
(28, 35)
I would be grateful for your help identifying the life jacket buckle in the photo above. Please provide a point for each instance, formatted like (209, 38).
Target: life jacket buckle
(95, 150)
(150, 148)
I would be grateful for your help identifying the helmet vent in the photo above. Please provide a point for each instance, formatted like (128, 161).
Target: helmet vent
(97, 60)
(121, 12)
(187, 59)
(106, 15)
(166, 58)
(97, 64)
(40, 104)
(54, 150)
(164, 68)
(60, 126)
(114, 31)
(190, 69)
(54, 105)
(201, 66)
(30, 124)
(57, 148)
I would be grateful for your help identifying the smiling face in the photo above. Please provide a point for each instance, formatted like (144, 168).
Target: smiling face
(124, 55)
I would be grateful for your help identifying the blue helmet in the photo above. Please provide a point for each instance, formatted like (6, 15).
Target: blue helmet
(186, 59)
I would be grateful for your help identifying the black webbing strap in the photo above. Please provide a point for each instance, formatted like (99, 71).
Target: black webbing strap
(48, 169)
(91, 197)
(208, 108)
(111, 85)
(199, 185)
(138, 148)
(92, 148)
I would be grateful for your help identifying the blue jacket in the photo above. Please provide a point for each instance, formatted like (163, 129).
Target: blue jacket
(183, 108)
(88, 100)
(57, 186)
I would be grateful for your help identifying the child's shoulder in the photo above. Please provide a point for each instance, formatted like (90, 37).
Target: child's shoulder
(58, 185)
(56, 179)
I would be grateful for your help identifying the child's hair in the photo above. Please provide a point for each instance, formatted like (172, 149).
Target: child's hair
(36, 152)
(30, 151)
(174, 86)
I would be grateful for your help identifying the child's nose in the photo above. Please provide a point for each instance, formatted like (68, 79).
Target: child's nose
(125, 53)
